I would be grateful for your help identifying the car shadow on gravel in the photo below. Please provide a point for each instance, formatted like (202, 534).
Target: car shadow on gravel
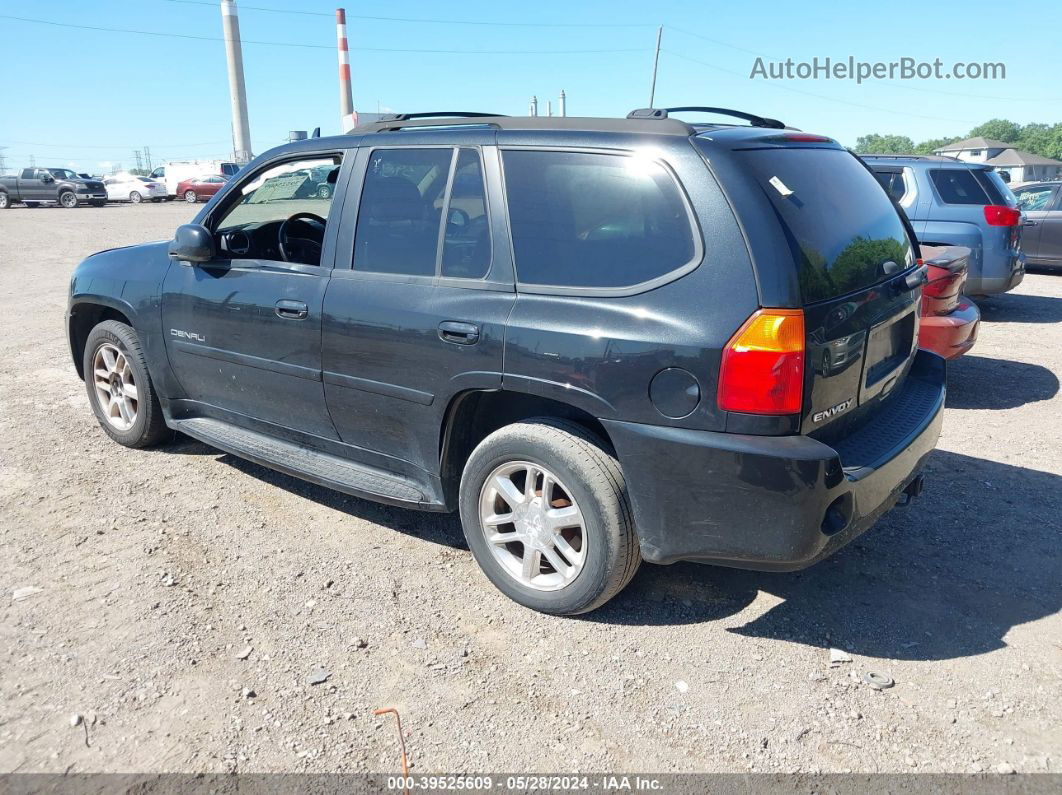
(439, 528)
(978, 382)
(1019, 308)
(947, 577)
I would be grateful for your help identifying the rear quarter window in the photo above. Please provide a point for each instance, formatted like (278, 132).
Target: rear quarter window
(843, 231)
(598, 221)
(959, 186)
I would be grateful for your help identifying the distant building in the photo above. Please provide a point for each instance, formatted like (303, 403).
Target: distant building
(1019, 166)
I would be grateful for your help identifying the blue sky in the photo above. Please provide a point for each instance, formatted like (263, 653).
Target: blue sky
(88, 98)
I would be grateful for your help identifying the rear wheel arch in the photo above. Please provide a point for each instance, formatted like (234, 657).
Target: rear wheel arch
(473, 415)
(83, 318)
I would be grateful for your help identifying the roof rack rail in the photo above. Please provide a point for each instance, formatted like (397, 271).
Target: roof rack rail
(662, 113)
(456, 114)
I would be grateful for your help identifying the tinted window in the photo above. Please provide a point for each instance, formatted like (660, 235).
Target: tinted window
(400, 211)
(958, 186)
(594, 220)
(1033, 199)
(892, 182)
(466, 247)
(841, 228)
(29, 173)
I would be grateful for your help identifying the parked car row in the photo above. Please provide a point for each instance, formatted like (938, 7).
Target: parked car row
(66, 188)
(601, 341)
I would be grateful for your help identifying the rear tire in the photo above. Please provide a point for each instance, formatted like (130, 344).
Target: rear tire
(68, 199)
(98, 203)
(591, 478)
(5, 201)
(115, 371)
(135, 197)
(190, 197)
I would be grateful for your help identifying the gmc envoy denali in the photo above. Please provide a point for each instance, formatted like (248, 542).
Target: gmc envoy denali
(601, 340)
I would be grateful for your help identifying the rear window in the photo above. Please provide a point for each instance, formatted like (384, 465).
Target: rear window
(960, 186)
(590, 220)
(843, 231)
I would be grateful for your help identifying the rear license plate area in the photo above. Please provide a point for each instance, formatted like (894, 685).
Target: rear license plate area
(889, 348)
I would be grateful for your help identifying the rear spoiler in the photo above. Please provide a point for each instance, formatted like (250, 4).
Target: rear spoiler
(954, 259)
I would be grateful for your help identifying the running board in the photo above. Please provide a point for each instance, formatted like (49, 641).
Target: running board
(301, 462)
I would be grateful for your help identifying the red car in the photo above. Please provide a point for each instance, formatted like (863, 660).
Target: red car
(949, 319)
(200, 188)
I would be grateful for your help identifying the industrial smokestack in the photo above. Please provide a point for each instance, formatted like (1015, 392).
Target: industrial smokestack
(563, 103)
(534, 106)
(549, 107)
(348, 119)
(241, 127)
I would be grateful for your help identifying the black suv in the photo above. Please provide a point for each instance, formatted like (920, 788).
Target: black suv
(602, 340)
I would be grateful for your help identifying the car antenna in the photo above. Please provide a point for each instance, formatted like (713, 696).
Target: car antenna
(316, 132)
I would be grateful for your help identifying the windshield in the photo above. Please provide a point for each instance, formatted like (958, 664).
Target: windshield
(62, 173)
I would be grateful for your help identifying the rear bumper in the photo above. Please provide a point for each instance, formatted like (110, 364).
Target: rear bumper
(951, 335)
(987, 282)
(775, 503)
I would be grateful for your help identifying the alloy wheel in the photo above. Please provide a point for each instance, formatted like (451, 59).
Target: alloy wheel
(533, 526)
(115, 387)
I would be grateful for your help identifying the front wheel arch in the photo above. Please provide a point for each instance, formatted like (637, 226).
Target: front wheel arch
(83, 318)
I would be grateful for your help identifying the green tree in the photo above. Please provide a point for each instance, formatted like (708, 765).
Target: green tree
(884, 145)
(930, 146)
(1000, 129)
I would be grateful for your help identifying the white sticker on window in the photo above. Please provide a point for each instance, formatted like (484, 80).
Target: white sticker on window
(781, 187)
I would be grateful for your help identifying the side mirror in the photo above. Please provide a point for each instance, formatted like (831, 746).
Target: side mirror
(193, 243)
(46, 178)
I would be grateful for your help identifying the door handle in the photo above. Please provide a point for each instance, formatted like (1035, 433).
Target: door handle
(291, 310)
(458, 333)
(1029, 222)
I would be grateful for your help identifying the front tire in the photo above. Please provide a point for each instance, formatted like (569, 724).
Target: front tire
(135, 197)
(68, 200)
(546, 514)
(119, 387)
(190, 197)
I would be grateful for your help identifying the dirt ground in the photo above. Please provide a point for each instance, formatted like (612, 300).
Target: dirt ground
(187, 597)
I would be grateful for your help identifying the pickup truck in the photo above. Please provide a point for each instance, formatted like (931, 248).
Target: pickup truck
(34, 186)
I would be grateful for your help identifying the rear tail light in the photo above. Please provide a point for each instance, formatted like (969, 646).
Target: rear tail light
(762, 370)
(1000, 215)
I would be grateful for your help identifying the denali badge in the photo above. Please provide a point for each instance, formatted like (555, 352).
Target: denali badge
(188, 335)
(840, 408)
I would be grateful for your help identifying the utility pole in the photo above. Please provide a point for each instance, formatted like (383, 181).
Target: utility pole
(139, 162)
(147, 158)
(241, 128)
(33, 161)
(563, 103)
(533, 110)
(348, 119)
(3, 160)
(549, 107)
(656, 63)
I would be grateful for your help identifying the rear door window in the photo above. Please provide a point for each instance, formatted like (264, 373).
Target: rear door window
(1035, 199)
(959, 186)
(892, 181)
(843, 232)
(595, 221)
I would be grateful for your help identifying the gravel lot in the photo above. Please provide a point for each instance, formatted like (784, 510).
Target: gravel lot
(175, 582)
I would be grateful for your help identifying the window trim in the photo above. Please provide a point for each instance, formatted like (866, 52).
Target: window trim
(616, 292)
(483, 282)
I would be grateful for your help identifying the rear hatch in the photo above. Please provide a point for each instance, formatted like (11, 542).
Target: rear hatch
(856, 269)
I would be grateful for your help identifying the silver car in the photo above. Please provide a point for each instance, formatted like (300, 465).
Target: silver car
(1041, 203)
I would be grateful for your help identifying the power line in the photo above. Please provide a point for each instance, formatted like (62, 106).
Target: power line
(318, 46)
(435, 21)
